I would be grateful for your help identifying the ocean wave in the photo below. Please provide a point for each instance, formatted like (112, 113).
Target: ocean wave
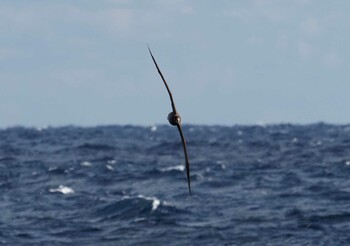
(180, 168)
(130, 207)
(127, 185)
(90, 146)
(65, 190)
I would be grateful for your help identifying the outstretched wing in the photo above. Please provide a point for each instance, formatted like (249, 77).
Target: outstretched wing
(186, 157)
(166, 85)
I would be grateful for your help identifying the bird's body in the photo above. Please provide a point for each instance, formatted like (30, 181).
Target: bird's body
(174, 119)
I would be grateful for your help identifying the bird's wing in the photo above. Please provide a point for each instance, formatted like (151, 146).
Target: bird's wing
(165, 83)
(186, 157)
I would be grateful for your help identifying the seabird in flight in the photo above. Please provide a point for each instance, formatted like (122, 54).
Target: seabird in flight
(175, 120)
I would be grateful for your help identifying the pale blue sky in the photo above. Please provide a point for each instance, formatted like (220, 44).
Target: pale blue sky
(227, 62)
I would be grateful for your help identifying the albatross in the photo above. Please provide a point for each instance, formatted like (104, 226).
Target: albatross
(175, 120)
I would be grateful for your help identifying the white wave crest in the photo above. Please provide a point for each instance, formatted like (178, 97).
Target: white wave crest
(155, 201)
(109, 167)
(86, 164)
(63, 189)
(173, 168)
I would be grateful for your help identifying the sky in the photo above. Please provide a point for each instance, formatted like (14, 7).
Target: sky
(86, 62)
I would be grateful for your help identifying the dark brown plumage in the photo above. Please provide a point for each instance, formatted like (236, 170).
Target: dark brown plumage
(175, 120)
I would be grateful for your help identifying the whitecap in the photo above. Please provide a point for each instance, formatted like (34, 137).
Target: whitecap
(111, 162)
(221, 163)
(39, 129)
(180, 168)
(155, 201)
(153, 128)
(63, 189)
(139, 219)
(165, 203)
(155, 204)
(86, 164)
(109, 167)
(125, 197)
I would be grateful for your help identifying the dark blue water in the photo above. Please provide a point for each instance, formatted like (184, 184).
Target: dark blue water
(126, 185)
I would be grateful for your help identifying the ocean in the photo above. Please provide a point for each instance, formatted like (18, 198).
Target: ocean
(280, 184)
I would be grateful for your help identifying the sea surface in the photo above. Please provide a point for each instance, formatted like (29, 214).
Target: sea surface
(126, 185)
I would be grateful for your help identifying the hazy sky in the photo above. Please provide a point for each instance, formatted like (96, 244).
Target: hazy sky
(227, 62)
